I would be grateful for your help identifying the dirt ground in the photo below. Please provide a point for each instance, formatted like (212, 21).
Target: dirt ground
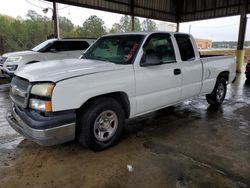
(188, 145)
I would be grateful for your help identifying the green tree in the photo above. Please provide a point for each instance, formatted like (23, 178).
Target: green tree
(66, 27)
(33, 15)
(116, 28)
(148, 25)
(93, 27)
(125, 25)
(5, 30)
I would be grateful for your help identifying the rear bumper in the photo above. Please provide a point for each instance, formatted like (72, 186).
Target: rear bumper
(62, 132)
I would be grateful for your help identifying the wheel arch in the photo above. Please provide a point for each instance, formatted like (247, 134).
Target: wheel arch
(120, 97)
(224, 74)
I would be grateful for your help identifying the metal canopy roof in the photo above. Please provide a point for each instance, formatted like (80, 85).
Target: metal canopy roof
(167, 10)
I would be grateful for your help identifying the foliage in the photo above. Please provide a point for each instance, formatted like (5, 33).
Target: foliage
(22, 34)
(148, 25)
(229, 44)
(93, 27)
(125, 25)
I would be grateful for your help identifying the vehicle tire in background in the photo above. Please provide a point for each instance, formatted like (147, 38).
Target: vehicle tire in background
(219, 93)
(248, 78)
(100, 124)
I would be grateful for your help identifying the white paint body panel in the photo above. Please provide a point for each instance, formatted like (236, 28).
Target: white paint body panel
(147, 88)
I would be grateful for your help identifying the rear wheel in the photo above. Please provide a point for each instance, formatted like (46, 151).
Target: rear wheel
(219, 93)
(100, 124)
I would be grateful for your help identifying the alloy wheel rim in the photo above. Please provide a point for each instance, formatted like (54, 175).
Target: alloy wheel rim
(105, 125)
(220, 92)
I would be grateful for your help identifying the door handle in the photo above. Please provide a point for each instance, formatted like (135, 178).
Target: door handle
(177, 71)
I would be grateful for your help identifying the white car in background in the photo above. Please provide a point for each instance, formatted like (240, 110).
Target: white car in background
(52, 49)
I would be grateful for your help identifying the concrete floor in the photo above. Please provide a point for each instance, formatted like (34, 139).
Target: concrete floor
(187, 145)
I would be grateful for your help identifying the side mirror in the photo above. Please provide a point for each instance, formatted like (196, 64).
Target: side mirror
(150, 60)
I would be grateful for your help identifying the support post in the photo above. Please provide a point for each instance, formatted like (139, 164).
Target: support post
(132, 15)
(240, 53)
(177, 26)
(133, 23)
(179, 7)
(56, 22)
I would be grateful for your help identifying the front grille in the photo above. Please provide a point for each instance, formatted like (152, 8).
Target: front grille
(2, 60)
(19, 91)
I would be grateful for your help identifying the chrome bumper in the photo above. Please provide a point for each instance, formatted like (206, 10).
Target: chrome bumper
(47, 137)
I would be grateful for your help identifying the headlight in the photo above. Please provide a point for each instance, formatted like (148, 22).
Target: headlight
(14, 59)
(44, 90)
(40, 105)
(40, 98)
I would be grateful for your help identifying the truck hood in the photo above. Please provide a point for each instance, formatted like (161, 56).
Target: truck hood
(57, 70)
(20, 53)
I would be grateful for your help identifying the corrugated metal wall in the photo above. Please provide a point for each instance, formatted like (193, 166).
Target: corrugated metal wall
(157, 9)
(167, 10)
(205, 9)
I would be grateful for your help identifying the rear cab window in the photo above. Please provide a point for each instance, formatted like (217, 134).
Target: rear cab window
(185, 47)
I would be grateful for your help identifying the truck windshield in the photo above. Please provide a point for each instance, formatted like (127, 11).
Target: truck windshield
(43, 46)
(120, 49)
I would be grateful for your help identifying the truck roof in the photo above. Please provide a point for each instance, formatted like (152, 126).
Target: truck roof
(144, 33)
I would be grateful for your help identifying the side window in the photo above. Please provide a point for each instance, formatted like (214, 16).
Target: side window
(54, 47)
(185, 47)
(161, 46)
(82, 45)
(78, 45)
(74, 45)
(65, 46)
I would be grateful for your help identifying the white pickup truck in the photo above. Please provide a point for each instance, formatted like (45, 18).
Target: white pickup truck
(119, 77)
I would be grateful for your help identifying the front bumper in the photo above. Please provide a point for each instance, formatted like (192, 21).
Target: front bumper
(62, 132)
(7, 74)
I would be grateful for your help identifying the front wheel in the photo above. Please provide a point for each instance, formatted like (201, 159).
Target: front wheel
(100, 124)
(219, 93)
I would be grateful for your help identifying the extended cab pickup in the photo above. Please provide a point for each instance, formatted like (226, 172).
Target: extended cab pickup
(119, 77)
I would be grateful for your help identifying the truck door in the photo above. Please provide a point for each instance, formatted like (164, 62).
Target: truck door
(157, 85)
(191, 66)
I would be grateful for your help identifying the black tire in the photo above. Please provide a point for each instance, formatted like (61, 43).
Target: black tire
(248, 77)
(219, 93)
(88, 124)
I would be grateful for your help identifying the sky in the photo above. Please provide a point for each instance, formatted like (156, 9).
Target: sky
(220, 29)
